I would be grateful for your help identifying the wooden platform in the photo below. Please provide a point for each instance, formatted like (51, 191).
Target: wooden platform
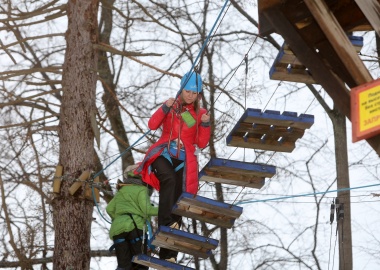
(287, 67)
(236, 173)
(207, 210)
(269, 130)
(185, 242)
(155, 263)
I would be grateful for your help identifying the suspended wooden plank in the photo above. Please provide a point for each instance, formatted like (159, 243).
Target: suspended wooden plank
(184, 242)
(287, 67)
(357, 42)
(291, 74)
(155, 263)
(236, 173)
(207, 210)
(269, 130)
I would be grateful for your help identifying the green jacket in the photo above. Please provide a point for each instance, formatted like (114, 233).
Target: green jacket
(130, 199)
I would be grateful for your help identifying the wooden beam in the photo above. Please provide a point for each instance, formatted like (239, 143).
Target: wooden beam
(328, 54)
(265, 28)
(339, 40)
(333, 85)
(329, 81)
(371, 9)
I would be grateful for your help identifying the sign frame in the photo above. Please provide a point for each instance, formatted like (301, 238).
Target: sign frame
(365, 103)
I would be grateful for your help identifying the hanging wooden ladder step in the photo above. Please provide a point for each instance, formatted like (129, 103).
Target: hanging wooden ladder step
(269, 130)
(207, 210)
(156, 263)
(237, 173)
(286, 66)
(185, 242)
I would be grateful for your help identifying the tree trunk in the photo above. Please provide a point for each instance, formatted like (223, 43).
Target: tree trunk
(109, 98)
(72, 215)
(343, 181)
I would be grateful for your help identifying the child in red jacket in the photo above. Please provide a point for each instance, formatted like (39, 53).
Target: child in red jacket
(171, 164)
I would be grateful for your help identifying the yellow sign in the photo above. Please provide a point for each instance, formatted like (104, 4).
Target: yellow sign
(365, 110)
(369, 108)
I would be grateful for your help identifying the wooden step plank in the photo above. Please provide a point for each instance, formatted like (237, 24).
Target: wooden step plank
(265, 137)
(156, 263)
(286, 57)
(258, 130)
(357, 42)
(185, 242)
(207, 210)
(299, 75)
(269, 130)
(236, 173)
(266, 144)
(197, 213)
(272, 117)
(287, 67)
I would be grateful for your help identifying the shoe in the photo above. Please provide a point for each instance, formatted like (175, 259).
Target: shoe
(172, 260)
(174, 225)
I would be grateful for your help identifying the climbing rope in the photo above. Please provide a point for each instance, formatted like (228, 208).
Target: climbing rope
(306, 194)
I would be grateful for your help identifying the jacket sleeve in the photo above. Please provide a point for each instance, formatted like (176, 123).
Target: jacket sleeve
(146, 207)
(204, 133)
(111, 209)
(158, 117)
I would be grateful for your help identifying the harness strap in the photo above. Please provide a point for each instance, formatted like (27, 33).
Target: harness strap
(121, 240)
(167, 155)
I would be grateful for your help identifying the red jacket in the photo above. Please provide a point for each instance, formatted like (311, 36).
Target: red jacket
(171, 124)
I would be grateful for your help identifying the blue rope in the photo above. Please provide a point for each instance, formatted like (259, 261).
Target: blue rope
(125, 151)
(97, 174)
(97, 206)
(306, 194)
(202, 48)
(208, 36)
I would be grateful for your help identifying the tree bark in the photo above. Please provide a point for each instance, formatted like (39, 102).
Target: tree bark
(72, 215)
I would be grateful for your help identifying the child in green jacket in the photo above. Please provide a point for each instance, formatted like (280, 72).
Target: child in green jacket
(129, 210)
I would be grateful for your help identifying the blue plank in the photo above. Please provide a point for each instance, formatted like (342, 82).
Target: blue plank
(211, 202)
(156, 263)
(271, 112)
(276, 115)
(292, 114)
(241, 165)
(180, 233)
(272, 70)
(356, 40)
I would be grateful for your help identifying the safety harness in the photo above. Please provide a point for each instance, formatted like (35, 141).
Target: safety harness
(139, 238)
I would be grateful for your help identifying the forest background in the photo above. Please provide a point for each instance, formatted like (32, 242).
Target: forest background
(142, 50)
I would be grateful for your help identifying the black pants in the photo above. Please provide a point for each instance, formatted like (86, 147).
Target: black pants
(126, 250)
(170, 190)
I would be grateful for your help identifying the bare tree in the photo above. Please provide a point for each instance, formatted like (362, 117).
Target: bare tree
(72, 216)
(143, 49)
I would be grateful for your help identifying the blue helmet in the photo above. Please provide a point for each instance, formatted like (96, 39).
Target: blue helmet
(194, 83)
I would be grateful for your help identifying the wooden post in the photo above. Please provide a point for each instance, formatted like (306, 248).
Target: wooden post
(74, 187)
(57, 179)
